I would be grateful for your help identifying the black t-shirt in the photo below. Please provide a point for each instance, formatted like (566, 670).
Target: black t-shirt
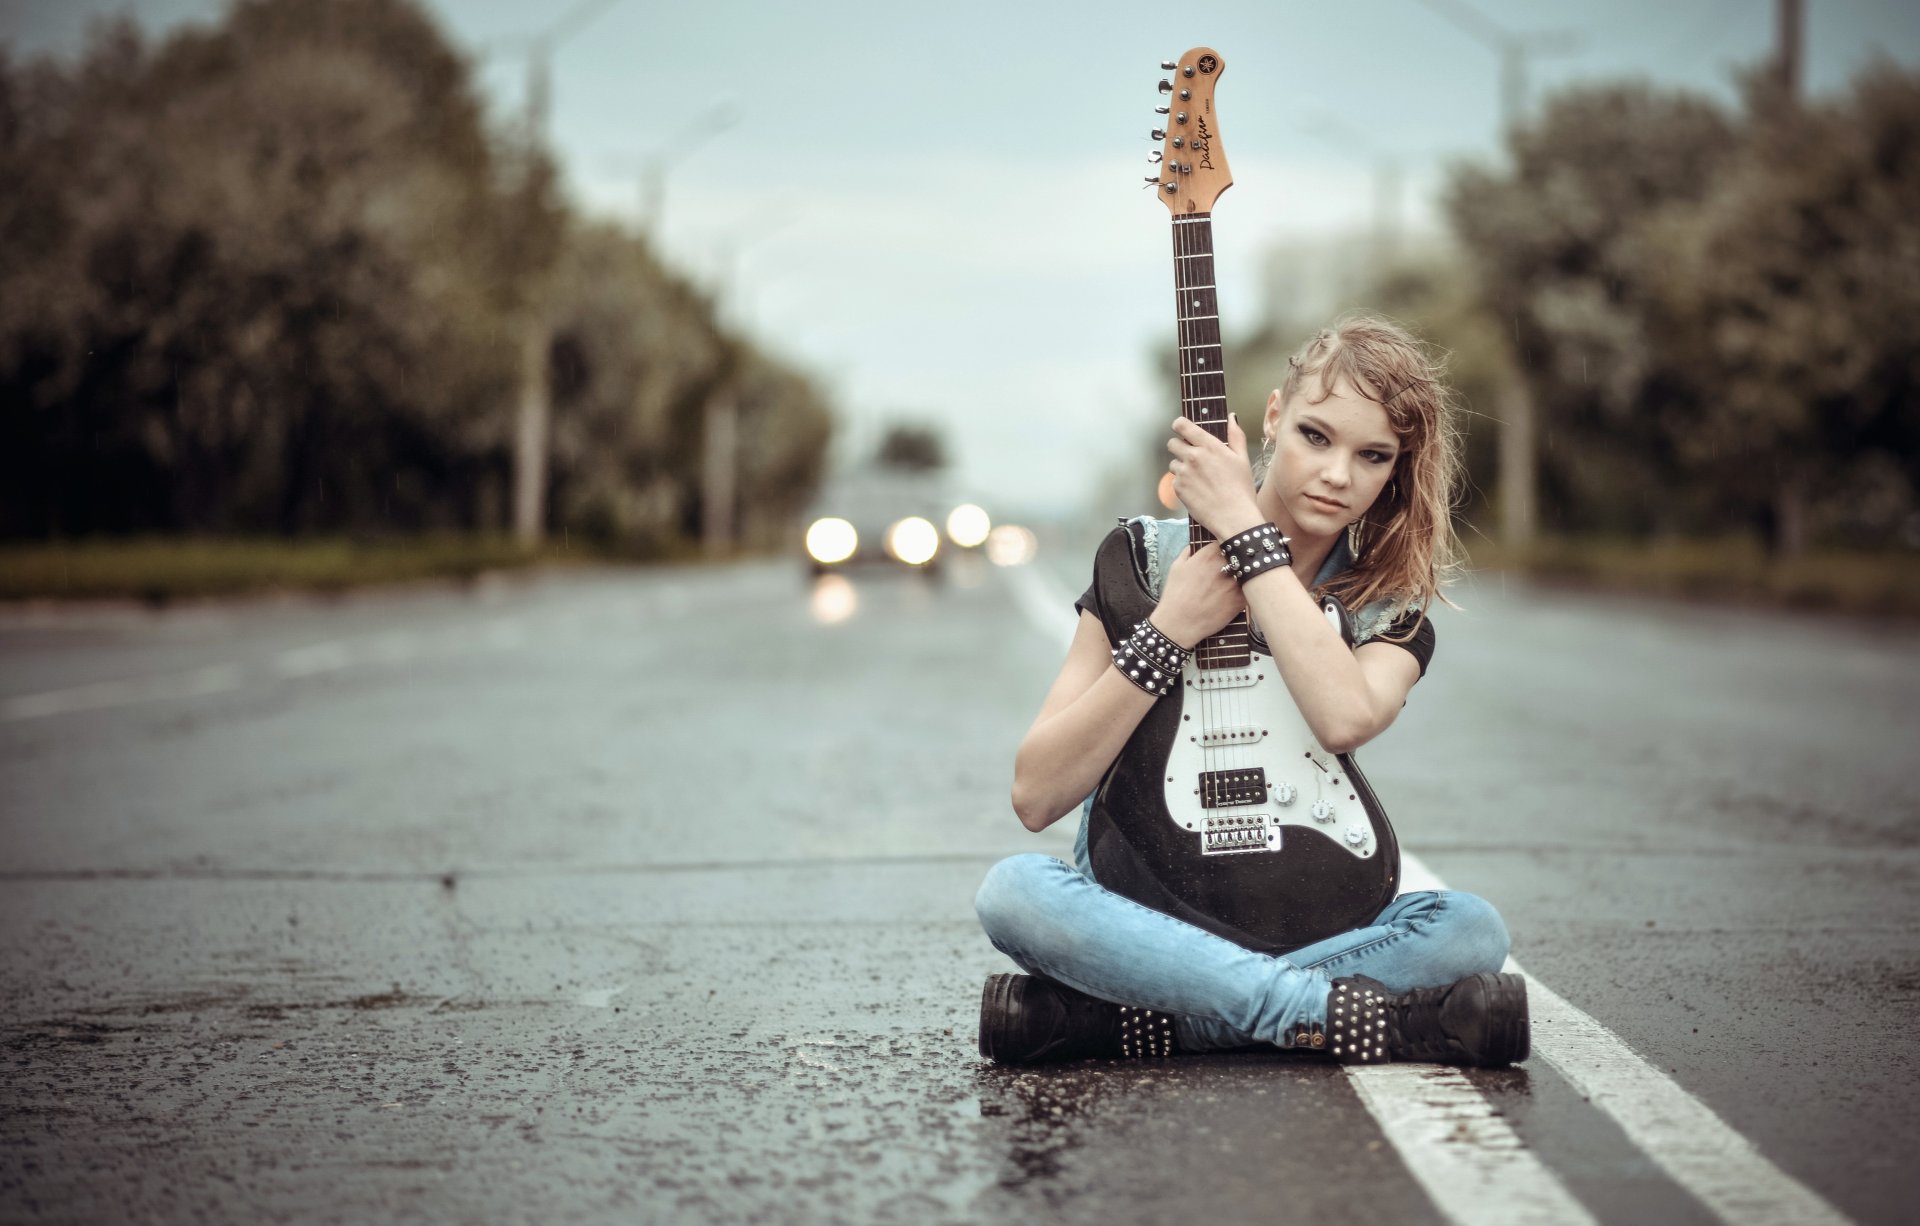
(1420, 644)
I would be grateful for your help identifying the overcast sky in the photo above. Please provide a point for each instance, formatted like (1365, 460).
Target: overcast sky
(936, 208)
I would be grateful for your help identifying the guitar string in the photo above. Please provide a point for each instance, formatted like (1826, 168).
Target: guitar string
(1190, 246)
(1185, 250)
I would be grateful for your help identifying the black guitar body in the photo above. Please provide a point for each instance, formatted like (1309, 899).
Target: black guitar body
(1268, 901)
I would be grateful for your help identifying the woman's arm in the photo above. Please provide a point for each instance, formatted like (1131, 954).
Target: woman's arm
(1347, 696)
(1088, 715)
(1092, 710)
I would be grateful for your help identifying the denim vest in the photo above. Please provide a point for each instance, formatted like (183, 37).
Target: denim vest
(1164, 539)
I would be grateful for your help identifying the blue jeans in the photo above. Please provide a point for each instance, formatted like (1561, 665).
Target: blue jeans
(1054, 921)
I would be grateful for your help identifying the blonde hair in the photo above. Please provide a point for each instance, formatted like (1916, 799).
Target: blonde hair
(1408, 550)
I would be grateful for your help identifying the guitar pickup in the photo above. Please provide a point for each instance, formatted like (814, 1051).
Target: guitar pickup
(1226, 678)
(1221, 738)
(1220, 789)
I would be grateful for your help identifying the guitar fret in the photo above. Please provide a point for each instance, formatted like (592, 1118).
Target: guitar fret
(1203, 403)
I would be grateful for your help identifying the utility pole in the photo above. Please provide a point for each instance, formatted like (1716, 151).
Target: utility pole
(533, 413)
(721, 416)
(1519, 452)
(1791, 21)
(1790, 528)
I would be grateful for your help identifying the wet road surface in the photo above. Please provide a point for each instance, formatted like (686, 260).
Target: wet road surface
(647, 895)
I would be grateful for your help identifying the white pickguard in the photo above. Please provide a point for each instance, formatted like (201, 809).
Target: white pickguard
(1237, 719)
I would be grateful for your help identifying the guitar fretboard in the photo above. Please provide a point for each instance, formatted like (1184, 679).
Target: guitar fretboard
(1203, 391)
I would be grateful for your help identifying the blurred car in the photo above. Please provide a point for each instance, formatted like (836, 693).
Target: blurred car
(889, 517)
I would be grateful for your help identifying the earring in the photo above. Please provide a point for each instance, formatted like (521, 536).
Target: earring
(1353, 539)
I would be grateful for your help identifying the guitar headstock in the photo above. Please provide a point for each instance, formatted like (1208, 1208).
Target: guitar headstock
(1191, 160)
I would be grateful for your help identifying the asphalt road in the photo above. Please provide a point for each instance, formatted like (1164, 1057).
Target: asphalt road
(647, 896)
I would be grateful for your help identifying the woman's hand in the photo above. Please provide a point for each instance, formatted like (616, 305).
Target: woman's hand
(1213, 479)
(1197, 599)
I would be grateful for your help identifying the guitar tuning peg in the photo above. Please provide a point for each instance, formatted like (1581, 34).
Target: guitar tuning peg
(1154, 158)
(1168, 65)
(1163, 110)
(1152, 181)
(1157, 134)
(1166, 86)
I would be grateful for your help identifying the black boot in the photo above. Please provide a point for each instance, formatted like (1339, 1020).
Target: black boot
(1025, 1019)
(1481, 1020)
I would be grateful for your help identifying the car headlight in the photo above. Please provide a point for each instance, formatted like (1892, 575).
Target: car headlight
(1011, 545)
(967, 525)
(913, 540)
(831, 540)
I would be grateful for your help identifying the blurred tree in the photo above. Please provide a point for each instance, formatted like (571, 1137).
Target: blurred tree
(637, 357)
(913, 445)
(1796, 282)
(271, 276)
(1558, 243)
(269, 291)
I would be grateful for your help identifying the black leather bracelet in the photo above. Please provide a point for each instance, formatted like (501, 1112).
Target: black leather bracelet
(1150, 659)
(1255, 551)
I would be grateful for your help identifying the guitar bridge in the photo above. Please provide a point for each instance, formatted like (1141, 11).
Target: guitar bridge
(1241, 832)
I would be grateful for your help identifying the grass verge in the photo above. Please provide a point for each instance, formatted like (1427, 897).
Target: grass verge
(1736, 570)
(163, 569)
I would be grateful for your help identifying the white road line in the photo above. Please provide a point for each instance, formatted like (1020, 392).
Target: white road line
(312, 659)
(390, 647)
(1048, 606)
(1474, 1167)
(1471, 1163)
(213, 679)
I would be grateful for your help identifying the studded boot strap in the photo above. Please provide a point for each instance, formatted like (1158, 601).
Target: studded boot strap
(1145, 1032)
(1357, 1023)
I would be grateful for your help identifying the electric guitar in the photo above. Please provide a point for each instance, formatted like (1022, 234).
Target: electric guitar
(1223, 808)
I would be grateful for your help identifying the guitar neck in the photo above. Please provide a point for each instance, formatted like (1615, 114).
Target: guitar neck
(1203, 392)
(1203, 372)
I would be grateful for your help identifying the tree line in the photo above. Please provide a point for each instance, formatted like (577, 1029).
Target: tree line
(1711, 308)
(272, 277)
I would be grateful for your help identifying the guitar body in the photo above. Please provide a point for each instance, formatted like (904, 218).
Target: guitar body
(1222, 809)
(1302, 877)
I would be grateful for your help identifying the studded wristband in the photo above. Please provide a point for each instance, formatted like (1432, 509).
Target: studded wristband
(1150, 659)
(1255, 551)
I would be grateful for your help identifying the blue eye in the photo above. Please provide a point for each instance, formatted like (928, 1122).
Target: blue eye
(1313, 436)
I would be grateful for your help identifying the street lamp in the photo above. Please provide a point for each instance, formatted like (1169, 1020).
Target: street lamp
(1519, 458)
(654, 164)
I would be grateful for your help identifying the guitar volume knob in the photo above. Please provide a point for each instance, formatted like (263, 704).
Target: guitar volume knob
(1283, 793)
(1356, 835)
(1322, 811)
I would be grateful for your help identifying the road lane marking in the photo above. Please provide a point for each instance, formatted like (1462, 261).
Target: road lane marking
(1459, 1148)
(1686, 1138)
(213, 679)
(1470, 1182)
(1048, 606)
(311, 660)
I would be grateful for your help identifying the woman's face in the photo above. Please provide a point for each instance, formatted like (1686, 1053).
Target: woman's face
(1331, 459)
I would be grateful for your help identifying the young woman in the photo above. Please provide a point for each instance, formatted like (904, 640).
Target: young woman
(1355, 503)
